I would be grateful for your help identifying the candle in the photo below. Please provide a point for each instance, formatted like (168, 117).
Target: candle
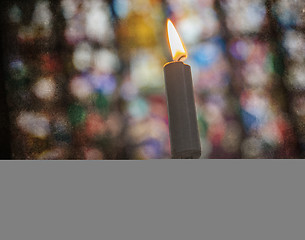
(183, 129)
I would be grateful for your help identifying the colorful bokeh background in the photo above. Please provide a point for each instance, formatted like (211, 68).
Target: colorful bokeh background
(84, 78)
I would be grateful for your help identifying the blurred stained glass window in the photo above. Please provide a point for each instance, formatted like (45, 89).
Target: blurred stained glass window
(85, 77)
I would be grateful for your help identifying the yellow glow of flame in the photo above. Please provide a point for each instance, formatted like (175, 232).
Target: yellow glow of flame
(177, 47)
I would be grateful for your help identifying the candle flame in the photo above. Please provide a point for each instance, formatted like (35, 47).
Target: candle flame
(176, 45)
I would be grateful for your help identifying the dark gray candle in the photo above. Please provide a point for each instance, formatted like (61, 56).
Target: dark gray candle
(183, 129)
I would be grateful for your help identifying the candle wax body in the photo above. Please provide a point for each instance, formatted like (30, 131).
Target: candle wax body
(183, 128)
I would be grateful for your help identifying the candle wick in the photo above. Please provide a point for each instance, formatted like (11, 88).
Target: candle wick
(181, 57)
